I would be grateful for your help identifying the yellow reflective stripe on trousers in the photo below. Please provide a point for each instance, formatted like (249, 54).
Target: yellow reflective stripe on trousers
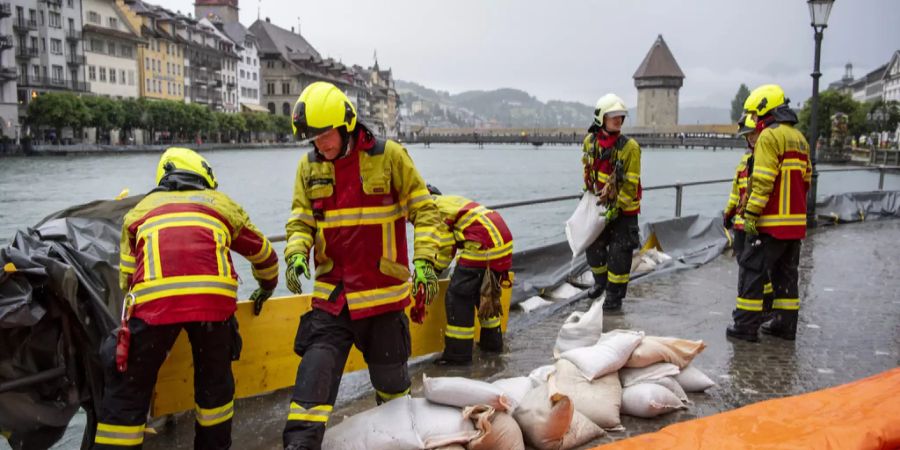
(195, 284)
(616, 278)
(455, 332)
(749, 304)
(388, 397)
(377, 297)
(491, 322)
(123, 435)
(318, 413)
(599, 270)
(767, 288)
(208, 417)
(791, 304)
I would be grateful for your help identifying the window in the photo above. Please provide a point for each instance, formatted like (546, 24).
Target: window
(111, 48)
(126, 51)
(56, 46)
(254, 76)
(112, 76)
(131, 78)
(286, 109)
(242, 74)
(93, 17)
(96, 46)
(271, 108)
(113, 22)
(55, 20)
(285, 88)
(270, 65)
(121, 76)
(270, 90)
(147, 85)
(37, 71)
(70, 3)
(92, 73)
(103, 74)
(57, 73)
(168, 68)
(146, 63)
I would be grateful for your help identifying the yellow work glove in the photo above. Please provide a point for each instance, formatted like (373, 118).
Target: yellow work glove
(425, 276)
(296, 266)
(611, 214)
(750, 224)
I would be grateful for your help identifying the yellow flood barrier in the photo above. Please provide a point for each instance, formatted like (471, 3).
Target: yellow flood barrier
(268, 361)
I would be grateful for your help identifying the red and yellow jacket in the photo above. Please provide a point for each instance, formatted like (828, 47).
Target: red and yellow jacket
(175, 256)
(601, 152)
(737, 199)
(779, 182)
(353, 212)
(481, 235)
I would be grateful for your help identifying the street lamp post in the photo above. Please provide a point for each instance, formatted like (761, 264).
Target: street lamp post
(818, 13)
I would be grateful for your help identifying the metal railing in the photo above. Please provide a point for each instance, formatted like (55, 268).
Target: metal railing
(679, 191)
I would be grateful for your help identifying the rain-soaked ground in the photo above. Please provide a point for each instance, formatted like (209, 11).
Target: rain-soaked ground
(849, 329)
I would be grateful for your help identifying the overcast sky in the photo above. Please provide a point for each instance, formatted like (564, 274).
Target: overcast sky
(578, 50)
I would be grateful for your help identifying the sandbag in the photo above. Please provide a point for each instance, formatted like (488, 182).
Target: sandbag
(649, 400)
(672, 385)
(515, 388)
(462, 392)
(608, 355)
(580, 432)
(654, 349)
(541, 374)
(693, 380)
(496, 430)
(585, 224)
(401, 424)
(544, 417)
(599, 400)
(630, 377)
(581, 329)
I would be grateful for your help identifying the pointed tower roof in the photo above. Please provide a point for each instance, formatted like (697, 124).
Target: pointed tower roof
(659, 63)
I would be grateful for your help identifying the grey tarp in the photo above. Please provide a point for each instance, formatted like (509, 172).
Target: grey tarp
(55, 309)
(858, 206)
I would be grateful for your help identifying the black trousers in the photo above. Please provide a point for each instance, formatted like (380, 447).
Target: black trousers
(323, 341)
(463, 299)
(126, 396)
(761, 259)
(610, 256)
(740, 238)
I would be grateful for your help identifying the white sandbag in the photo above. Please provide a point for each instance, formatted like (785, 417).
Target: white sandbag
(632, 376)
(693, 380)
(497, 430)
(580, 432)
(586, 223)
(516, 387)
(462, 392)
(649, 400)
(654, 349)
(544, 417)
(401, 424)
(581, 329)
(563, 291)
(599, 400)
(608, 355)
(533, 303)
(658, 256)
(541, 374)
(451, 447)
(672, 385)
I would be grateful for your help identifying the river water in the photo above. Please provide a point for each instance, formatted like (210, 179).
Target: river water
(262, 181)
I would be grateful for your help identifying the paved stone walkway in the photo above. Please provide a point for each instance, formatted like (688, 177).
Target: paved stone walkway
(849, 329)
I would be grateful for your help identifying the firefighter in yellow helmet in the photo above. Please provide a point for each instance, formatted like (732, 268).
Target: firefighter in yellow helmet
(774, 219)
(612, 171)
(175, 264)
(353, 195)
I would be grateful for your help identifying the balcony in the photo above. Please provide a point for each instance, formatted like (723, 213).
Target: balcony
(57, 3)
(214, 83)
(5, 10)
(75, 60)
(26, 52)
(6, 42)
(23, 25)
(73, 35)
(54, 83)
(8, 74)
(231, 85)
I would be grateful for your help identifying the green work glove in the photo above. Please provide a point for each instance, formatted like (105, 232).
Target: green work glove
(296, 266)
(259, 296)
(750, 224)
(611, 214)
(425, 276)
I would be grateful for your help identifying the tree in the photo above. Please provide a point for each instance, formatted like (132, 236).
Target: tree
(57, 111)
(882, 116)
(831, 102)
(257, 122)
(105, 114)
(737, 104)
(133, 114)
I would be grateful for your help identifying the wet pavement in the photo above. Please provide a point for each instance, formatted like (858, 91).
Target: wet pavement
(849, 329)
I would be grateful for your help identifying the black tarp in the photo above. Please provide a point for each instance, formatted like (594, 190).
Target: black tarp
(858, 207)
(55, 309)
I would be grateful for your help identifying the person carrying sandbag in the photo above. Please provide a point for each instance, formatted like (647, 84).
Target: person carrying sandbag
(484, 246)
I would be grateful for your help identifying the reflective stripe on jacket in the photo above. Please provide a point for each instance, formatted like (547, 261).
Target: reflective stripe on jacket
(736, 200)
(480, 234)
(176, 256)
(599, 163)
(353, 213)
(779, 182)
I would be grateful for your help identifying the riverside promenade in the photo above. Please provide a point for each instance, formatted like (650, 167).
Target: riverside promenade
(848, 330)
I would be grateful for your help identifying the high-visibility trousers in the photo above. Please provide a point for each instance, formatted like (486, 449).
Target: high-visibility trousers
(123, 411)
(610, 256)
(765, 258)
(461, 303)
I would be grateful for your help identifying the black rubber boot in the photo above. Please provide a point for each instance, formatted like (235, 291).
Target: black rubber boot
(744, 335)
(457, 352)
(783, 325)
(612, 304)
(598, 288)
(491, 340)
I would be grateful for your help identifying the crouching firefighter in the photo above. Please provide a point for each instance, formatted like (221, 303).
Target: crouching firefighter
(612, 172)
(484, 245)
(352, 197)
(176, 266)
(774, 219)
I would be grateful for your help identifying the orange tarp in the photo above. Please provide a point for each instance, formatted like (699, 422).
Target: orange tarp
(864, 414)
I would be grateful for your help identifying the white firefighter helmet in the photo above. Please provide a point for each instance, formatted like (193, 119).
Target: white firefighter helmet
(609, 105)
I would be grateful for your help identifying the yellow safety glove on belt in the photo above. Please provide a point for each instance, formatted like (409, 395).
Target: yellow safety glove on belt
(425, 276)
(297, 265)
